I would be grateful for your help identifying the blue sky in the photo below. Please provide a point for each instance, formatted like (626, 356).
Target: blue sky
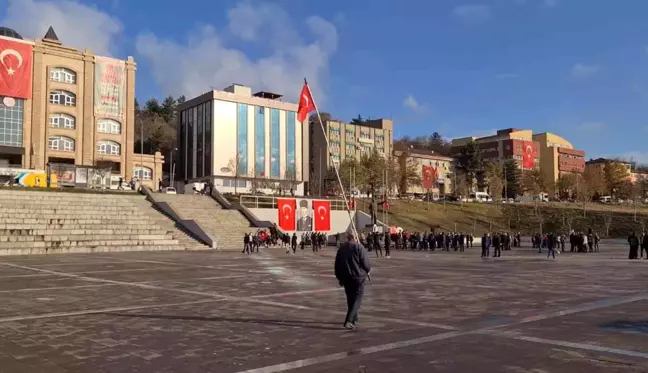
(578, 68)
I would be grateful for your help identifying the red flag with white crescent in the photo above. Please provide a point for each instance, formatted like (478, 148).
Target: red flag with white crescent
(286, 210)
(306, 104)
(528, 157)
(322, 215)
(428, 177)
(15, 69)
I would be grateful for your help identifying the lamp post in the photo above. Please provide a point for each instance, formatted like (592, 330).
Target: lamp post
(171, 168)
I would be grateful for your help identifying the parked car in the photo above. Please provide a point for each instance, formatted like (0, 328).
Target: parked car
(169, 190)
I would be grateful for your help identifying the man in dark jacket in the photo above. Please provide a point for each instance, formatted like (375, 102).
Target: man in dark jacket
(486, 242)
(633, 241)
(351, 270)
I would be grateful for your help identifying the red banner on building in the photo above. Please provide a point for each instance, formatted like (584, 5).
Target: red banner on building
(429, 177)
(15, 69)
(528, 157)
(286, 208)
(322, 215)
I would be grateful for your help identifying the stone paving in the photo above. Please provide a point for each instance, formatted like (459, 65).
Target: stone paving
(226, 312)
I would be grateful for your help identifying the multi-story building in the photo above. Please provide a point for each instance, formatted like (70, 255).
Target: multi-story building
(441, 167)
(599, 164)
(511, 143)
(558, 156)
(235, 138)
(60, 105)
(346, 140)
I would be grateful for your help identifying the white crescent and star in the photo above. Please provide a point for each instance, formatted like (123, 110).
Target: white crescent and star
(321, 214)
(10, 52)
(283, 209)
(305, 97)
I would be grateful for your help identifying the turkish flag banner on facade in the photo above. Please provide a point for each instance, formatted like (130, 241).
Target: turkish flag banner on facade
(428, 177)
(528, 157)
(286, 209)
(322, 215)
(15, 69)
(306, 104)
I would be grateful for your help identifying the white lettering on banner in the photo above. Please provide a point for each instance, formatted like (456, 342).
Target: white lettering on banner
(110, 84)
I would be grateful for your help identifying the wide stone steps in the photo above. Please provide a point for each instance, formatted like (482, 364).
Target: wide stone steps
(86, 232)
(227, 227)
(88, 243)
(56, 222)
(86, 249)
(83, 237)
(166, 223)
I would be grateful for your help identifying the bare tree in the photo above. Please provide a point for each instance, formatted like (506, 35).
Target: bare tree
(233, 167)
(588, 185)
(607, 218)
(567, 220)
(461, 188)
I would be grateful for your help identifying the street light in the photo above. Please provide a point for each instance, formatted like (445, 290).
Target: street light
(172, 169)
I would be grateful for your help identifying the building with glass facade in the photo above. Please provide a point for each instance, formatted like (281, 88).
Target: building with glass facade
(346, 140)
(236, 138)
(80, 111)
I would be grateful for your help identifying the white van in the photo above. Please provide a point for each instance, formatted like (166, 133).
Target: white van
(480, 197)
(605, 199)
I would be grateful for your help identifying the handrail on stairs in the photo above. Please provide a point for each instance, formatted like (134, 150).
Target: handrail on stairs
(188, 224)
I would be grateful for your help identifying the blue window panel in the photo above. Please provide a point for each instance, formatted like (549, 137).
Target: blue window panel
(259, 140)
(275, 155)
(290, 145)
(241, 139)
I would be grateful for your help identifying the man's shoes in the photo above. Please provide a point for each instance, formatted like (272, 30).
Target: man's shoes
(349, 326)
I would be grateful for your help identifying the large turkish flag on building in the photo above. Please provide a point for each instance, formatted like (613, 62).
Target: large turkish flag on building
(15, 69)
(322, 215)
(428, 177)
(286, 208)
(528, 157)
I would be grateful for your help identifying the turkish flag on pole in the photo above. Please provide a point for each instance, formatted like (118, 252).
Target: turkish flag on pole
(286, 209)
(306, 104)
(15, 69)
(528, 157)
(322, 215)
(428, 177)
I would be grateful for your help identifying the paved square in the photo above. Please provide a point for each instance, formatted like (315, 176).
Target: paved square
(271, 312)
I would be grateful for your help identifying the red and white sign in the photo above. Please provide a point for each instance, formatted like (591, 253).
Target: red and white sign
(528, 155)
(15, 69)
(429, 177)
(322, 215)
(286, 209)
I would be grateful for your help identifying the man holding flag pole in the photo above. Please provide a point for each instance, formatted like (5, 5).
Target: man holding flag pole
(352, 265)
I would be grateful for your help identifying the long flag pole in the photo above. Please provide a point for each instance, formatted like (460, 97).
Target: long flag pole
(335, 164)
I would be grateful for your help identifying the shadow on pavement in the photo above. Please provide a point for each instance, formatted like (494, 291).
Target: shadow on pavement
(636, 327)
(300, 324)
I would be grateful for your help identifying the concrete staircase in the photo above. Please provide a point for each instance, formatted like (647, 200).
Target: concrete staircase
(166, 223)
(225, 226)
(34, 222)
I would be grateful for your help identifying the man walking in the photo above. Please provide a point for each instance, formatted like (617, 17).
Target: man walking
(351, 270)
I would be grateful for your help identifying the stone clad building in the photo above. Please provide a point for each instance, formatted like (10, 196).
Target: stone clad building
(79, 110)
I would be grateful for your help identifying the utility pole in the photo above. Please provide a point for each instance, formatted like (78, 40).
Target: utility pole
(320, 171)
(505, 184)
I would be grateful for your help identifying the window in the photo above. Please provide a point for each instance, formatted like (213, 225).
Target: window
(62, 121)
(235, 183)
(143, 173)
(62, 98)
(61, 143)
(109, 126)
(11, 124)
(108, 148)
(62, 75)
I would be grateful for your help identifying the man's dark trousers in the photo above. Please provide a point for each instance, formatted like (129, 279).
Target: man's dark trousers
(354, 290)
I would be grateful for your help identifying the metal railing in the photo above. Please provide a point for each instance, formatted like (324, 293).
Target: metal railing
(270, 202)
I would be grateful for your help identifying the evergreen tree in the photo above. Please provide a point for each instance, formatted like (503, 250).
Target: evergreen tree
(470, 162)
(512, 175)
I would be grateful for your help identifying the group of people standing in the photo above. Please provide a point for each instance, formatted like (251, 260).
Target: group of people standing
(499, 241)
